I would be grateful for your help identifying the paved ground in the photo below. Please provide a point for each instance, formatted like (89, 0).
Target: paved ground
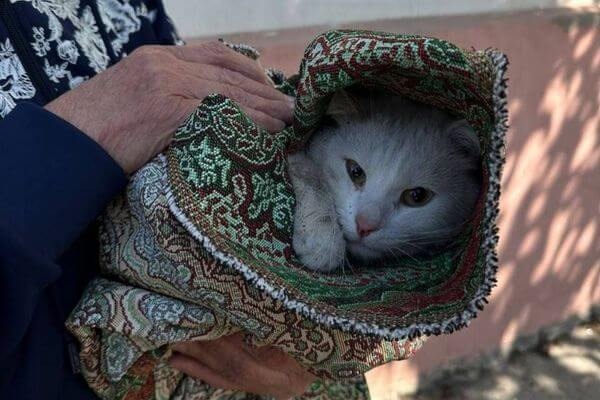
(567, 369)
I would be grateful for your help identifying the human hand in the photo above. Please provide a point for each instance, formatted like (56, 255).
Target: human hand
(133, 108)
(228, 363)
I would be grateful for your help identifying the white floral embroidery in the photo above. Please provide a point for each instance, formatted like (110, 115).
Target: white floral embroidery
(143, 12)
(119, 19)
(68, 51)
(86, 35)
(55, 10)
(90, 41)
(14, 82)
(40, 44)
(55, 72)
(76, 81)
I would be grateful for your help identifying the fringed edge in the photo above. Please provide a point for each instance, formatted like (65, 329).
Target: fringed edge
(490, 233)
(242, 48)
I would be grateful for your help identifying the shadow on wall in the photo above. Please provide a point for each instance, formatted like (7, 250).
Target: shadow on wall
(549, 248)
(550, 209)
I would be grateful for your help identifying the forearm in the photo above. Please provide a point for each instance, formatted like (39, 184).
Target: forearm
(55, 180)
(23, 279)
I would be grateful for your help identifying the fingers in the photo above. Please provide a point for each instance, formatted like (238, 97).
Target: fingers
(219, 55)
(263, 120)
(272, 115)
(220, 365)
(281, 110)
(228, 363)
(192, 367)
(228, 359)
(212, 67)
(234, 78)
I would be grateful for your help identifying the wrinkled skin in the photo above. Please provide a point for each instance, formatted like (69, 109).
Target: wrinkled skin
(229, 363)
(132, 110)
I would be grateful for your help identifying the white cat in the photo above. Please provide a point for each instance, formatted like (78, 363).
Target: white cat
(387, 177)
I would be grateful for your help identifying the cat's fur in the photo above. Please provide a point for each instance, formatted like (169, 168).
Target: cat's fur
(400, 145)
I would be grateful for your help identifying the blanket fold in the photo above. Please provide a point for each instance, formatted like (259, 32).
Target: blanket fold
(199, 246)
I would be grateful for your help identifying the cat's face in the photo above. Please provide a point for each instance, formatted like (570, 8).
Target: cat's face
(403, 184)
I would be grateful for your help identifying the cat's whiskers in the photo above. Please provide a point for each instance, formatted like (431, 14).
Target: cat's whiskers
(348, 263)
(421, 237)
(403, 254)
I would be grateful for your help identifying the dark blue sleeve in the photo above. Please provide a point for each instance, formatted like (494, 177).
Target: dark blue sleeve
(55, 180)
(23, 279)
(163, 25)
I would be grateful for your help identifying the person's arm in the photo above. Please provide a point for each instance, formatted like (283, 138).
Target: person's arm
(24, 277)
(56, 177)
(61, 164)
(229, 363)
(55, 180)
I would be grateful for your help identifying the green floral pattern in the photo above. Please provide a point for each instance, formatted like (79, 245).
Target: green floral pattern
(200, 244)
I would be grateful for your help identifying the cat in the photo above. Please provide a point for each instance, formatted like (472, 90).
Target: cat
(383, 177)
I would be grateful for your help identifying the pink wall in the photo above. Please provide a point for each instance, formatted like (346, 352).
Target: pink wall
(550, 247)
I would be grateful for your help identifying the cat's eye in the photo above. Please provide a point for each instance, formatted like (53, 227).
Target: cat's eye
(356, 173)
(416, 197)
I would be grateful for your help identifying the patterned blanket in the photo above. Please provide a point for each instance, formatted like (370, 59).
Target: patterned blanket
(199, 246)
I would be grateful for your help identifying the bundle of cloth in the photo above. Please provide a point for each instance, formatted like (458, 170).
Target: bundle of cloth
(200, 245)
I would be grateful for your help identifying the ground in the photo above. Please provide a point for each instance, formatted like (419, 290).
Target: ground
(568, 368)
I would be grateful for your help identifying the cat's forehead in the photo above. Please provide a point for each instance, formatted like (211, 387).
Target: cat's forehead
(385, 143)
(392, 163)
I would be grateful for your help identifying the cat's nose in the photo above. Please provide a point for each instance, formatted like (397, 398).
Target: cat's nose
(364, 227)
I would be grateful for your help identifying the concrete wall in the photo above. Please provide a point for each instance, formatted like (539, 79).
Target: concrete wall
(197, 18)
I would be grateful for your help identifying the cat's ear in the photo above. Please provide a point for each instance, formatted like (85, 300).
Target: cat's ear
(343, 106)
(464, 138)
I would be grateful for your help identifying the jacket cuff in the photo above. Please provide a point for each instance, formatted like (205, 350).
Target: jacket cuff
(56, 180)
